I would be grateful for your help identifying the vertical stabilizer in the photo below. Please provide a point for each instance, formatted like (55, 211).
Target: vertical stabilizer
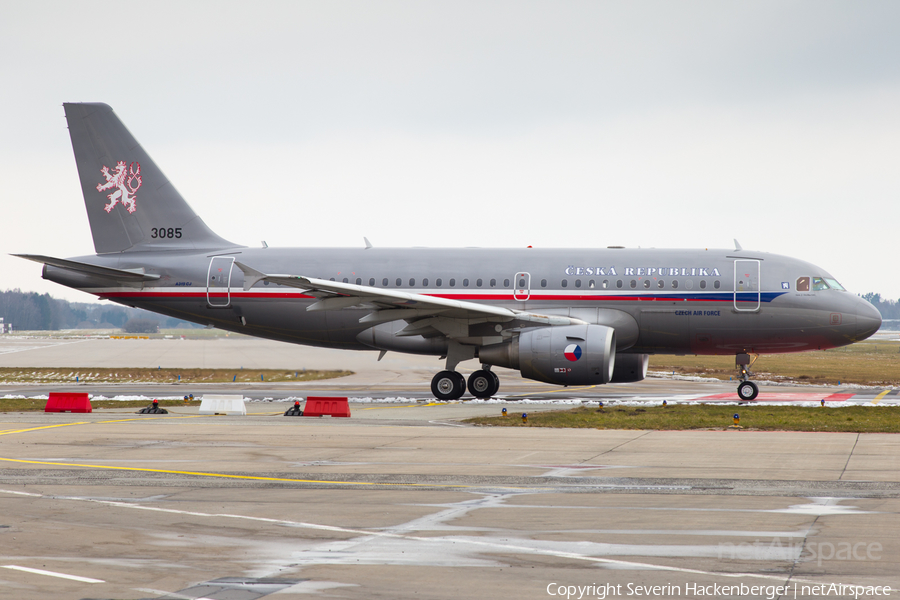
(130, 204)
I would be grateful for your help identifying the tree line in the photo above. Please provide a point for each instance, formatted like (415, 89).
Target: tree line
(32, 311)
(889, 309)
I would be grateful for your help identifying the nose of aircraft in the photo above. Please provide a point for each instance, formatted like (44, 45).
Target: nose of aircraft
(868, 319)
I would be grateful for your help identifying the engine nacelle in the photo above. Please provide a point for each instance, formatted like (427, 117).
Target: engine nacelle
(566, 355)
(630, 368)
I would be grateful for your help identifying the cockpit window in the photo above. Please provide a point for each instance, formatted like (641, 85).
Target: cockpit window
(819, 284)
(835, 285)
(803, 284)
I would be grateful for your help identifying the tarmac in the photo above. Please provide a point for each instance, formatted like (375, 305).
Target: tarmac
(405, 500)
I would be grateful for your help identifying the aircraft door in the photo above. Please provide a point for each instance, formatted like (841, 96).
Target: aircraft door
(522, 286)
(746, 285)
(218, 281)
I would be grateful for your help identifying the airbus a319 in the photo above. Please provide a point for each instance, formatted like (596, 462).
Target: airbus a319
(561, 316)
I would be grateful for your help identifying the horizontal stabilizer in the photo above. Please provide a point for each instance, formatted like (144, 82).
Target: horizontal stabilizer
(97, 270)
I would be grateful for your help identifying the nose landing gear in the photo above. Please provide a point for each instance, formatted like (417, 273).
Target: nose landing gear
(747, 390)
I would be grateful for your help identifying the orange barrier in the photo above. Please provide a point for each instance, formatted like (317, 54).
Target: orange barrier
(74, 402)
(320, 406)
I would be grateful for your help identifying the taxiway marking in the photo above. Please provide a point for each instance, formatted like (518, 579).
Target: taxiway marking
(245, 477)
(878, 398)
(487, 544)
(54, 574)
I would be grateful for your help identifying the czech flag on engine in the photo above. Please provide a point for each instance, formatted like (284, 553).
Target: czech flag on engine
(572, 352)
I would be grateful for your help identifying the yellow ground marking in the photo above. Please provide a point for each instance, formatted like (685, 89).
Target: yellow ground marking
(880, 396)
(42, 427)
(227, 476)
(10, 431)
(196, 473)
(565, 389)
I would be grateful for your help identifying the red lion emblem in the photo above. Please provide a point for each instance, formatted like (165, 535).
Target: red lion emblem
(123, 180)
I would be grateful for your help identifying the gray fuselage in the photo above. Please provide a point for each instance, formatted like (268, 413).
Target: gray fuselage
(659, 301)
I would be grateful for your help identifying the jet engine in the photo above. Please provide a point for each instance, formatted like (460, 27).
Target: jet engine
(565, 355)
(630, 368)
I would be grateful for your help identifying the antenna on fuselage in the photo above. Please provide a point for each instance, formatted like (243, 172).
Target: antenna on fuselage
(737, 245)
(368, 243)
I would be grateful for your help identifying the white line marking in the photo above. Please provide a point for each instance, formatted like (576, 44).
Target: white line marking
(54, 574)
(487, 544)
(44, 347)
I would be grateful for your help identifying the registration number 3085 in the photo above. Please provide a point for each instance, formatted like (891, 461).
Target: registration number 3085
(165, 232)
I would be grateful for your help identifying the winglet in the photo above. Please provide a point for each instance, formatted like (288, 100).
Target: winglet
(737, 245)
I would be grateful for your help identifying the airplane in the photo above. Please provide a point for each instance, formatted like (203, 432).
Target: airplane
(571, 317)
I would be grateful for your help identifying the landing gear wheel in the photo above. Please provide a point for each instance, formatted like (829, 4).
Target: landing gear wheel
(448, 385)
(747, 391)
(483, 384)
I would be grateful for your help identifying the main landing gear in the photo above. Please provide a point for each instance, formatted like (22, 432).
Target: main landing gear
(450, 385)
(747, 390)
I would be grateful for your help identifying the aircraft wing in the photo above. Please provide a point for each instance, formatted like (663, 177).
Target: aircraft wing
(390, 305)
(126, 275)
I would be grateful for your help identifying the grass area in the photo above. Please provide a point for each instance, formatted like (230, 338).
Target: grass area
(856, 419)
(32, 404)
(114, 375)
(872, 362)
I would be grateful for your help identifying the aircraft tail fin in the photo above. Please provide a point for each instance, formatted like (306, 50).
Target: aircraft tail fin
(130, 204)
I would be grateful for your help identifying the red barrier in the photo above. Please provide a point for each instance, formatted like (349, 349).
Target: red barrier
(320, 406)
(62, 402)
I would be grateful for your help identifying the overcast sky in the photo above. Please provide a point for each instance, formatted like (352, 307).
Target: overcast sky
(500, 124)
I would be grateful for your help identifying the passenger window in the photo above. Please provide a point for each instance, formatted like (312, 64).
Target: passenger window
(399, 281)
(819, 284)
(543, 283)
(578, 283)
(506, 283)
(689, 284)
(331, 279)
(702, 284)
(478, 283)
(412, 282)
(674, 284)
(803, 284)
(425, 282)
(619, 284)
(633, 284)
(438, 282)
(591, 284)
(384, 282)
(359, 281)
(452, 283)
(646, 284)
(605, 284)
(371, 282)
(565, 283)
(346, 280)
(717, 284)
(493, 283)
(465, 283)
(522, 282)
(660, 284)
